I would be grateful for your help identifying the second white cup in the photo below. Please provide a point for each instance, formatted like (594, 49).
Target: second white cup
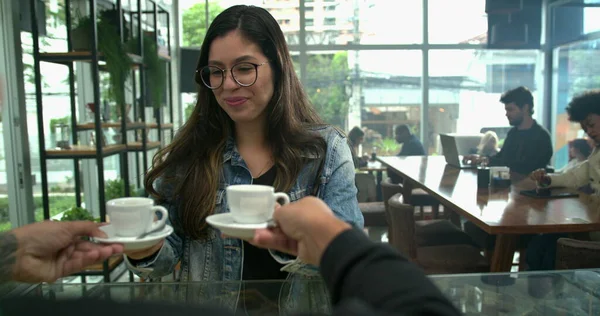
(252, 204)
(133, 216)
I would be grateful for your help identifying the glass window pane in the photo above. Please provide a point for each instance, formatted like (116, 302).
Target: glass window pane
(364, 22)
(461, 90)
(453, 23)
(591, 17)
(194, 26)
(362, 88)
(576, 69)
(5, 223)
(391, 95)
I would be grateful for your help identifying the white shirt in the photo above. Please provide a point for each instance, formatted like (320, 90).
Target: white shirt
(587, 172)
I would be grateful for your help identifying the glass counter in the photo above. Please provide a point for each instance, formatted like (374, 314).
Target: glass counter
(568, 292)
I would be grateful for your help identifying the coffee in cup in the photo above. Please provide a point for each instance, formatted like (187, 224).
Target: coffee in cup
(252, 204)
(133, 216)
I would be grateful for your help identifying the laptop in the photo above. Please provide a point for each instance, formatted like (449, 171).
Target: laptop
(451, 152)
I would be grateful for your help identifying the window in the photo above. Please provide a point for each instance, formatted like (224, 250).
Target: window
(576, 69)
(454, 22)
(502, 77)
(461, 90)
(367, 22)
(309, 22)
(329, 21)
(309, 9)
(350, 88)
(591, 17)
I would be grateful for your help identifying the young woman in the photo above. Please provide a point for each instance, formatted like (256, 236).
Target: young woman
(488, 146)
(579, 151)
(252, 124)
(355, 138)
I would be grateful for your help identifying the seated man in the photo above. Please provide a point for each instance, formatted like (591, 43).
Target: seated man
(527, 146)
(584, 109)
(411, 146)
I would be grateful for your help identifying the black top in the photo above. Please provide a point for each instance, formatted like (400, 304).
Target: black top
(412, 147)
(363, 277)
(258, 262)
(525, 150)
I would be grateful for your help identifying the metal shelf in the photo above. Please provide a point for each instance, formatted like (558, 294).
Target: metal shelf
(128, 126)
(84, 152)
(85, 56)
(162, 126)
(138, 146)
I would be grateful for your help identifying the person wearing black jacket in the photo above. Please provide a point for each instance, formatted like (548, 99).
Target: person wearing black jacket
(363, 277)
(527, 146)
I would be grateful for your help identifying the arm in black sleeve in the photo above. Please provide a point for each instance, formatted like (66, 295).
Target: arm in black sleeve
(359, 270)
(543, 152)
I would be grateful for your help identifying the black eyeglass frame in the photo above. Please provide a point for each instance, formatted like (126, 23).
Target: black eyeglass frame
(200, 80)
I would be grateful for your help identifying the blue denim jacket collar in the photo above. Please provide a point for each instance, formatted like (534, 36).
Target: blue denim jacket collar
(231, 153)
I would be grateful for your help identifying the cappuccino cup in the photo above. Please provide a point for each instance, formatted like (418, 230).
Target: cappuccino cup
(253, 204)
(133, 216)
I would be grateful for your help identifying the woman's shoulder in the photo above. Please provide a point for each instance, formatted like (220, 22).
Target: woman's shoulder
(329, 133)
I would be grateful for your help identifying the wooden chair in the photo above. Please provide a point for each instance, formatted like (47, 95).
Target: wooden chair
(419, 197)
(373, 211)
(432, 232)
(577, 254)
(433, 259)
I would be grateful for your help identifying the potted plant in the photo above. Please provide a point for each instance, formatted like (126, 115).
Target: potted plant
(59, 132)
(80, 33)
(78, 214)
(156, 73)
(115, 189)
(118, 62)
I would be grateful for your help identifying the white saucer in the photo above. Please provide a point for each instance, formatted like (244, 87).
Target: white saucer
(131, 243)
(225, 223)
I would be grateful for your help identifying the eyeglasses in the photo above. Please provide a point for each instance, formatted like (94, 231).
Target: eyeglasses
(244, 74)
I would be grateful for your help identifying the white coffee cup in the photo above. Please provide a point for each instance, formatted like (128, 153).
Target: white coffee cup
(252, 204)
(133, 216)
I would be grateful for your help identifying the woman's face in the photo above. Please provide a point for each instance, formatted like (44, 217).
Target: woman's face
(242, 104)
(572, 152)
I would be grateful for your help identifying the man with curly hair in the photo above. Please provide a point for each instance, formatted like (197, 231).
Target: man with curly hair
(585, 110)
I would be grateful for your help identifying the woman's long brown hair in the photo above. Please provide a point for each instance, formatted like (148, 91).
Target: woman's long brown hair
(191, 165)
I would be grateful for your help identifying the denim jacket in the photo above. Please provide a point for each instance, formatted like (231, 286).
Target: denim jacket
(216, 259)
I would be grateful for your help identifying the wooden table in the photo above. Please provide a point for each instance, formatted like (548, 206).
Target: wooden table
(499, 211)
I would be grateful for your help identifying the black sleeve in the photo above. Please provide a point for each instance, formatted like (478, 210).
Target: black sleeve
(419, 150)
(412, 149)
(32, 305)
(377, 277)
(537, 156)
(544, 154)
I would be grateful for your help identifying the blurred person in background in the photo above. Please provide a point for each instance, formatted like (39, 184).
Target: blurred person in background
(579, 151)
(356, 136)
(488, 146)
